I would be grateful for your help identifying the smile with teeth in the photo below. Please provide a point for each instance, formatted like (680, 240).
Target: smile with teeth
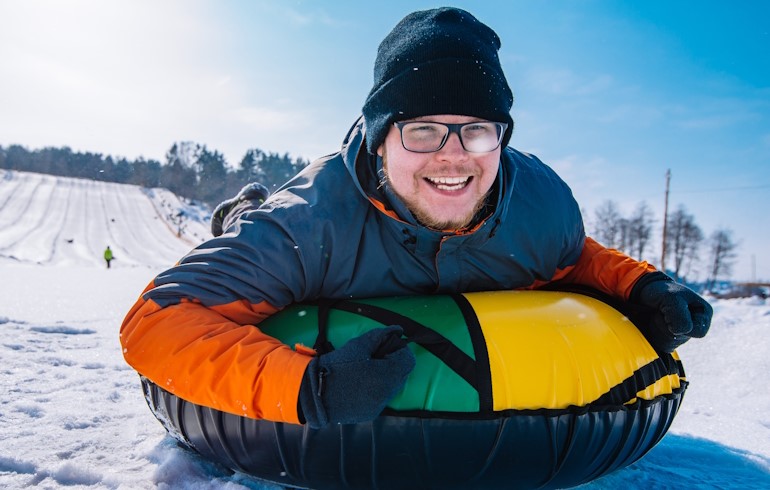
(448, 183)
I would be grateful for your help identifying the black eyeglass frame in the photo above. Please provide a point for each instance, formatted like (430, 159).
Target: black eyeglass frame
(452, 128)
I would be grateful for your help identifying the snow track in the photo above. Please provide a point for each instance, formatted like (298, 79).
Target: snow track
(66, 221)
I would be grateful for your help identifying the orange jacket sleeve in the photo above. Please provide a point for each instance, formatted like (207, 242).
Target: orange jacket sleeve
(605, 269)
(212, 356)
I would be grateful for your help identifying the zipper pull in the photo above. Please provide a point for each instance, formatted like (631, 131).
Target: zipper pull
(322, 373)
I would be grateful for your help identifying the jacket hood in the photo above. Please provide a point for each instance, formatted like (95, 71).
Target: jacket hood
(361, 165)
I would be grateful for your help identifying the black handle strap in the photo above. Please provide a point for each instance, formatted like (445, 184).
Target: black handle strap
(322, 344)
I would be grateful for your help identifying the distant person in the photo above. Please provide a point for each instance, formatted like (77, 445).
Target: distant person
(425, 196)
(108, 257)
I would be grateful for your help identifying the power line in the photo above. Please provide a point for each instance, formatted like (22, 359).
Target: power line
(724, 189)
(701, 191)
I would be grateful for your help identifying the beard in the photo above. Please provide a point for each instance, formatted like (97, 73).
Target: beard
(423, 215)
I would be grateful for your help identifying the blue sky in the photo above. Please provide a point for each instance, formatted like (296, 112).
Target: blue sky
(611, 94)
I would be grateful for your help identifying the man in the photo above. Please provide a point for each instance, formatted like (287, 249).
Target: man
(424, 197)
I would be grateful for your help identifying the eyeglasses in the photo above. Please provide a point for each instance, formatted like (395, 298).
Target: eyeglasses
(428, 136)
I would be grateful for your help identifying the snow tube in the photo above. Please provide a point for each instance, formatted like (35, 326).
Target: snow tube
(514, 389)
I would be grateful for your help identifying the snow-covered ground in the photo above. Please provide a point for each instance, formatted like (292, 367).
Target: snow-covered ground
(72, 414)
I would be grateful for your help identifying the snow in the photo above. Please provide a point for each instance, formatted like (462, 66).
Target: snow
(72, 414)
(61, 221)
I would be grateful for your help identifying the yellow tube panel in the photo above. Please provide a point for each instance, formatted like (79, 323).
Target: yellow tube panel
(553, 349)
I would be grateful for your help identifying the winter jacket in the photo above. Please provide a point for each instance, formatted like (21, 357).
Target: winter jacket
(331, 232)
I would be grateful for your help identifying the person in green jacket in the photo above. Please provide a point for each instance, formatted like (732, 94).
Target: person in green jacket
(108, 256)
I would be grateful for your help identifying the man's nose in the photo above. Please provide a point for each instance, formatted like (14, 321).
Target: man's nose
(453, 144)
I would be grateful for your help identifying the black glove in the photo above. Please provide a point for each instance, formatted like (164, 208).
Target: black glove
(250, 192)
(678, 312)
(355, 382)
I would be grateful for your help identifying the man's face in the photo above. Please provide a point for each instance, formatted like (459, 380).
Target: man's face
(443, 189)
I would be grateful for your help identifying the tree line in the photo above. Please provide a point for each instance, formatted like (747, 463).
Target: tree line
(190, 170)
(685, 242)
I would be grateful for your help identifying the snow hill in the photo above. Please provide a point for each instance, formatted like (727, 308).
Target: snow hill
(72, 414)
(51, 220)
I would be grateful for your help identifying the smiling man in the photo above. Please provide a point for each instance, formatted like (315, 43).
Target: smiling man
(425, 196)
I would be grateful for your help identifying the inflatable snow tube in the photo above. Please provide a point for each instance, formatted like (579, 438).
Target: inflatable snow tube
(512, 389)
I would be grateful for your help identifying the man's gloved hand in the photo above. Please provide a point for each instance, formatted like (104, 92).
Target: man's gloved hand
(678, 312)
(355, 382)
(250, 192)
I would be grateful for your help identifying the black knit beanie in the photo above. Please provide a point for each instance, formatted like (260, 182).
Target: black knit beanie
(440, 61)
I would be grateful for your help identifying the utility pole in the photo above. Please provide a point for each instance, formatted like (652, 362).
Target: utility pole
(665, 224)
